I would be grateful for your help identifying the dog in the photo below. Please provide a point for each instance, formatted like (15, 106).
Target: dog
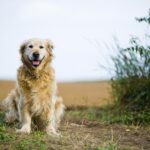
(35, 95)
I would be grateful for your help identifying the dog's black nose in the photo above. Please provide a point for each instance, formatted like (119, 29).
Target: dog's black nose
(36, 55)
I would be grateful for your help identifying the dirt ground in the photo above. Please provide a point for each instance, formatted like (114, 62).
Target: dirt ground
(74, 94)
(92, 136)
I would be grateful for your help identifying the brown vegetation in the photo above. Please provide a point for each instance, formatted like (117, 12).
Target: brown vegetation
(74, 94)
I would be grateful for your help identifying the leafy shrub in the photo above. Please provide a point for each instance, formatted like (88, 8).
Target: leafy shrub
(131, 84)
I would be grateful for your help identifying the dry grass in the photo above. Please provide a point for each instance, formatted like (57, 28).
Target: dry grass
(74, 94)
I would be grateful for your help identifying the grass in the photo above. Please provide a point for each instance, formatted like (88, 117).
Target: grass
(108, 147)
(110, 114)
(82, 129)
(4, 136)
(37, 141)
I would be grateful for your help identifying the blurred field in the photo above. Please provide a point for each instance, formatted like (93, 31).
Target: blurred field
(74, 94)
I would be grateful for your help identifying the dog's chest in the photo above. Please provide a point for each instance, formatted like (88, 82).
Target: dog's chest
(38, 96)
(36, 89)
(40, 101)
(41, 92)
(33, 84)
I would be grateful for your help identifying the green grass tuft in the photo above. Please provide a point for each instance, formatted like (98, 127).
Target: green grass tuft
(108, 147)
(4, 136)
(110, 115)
(29, 144)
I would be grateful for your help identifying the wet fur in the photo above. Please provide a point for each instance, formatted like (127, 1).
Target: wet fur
(35, 93)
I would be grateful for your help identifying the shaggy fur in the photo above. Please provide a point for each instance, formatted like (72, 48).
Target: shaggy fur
(36, 89)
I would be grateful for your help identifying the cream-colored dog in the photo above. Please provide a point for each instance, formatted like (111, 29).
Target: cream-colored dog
(35, 93)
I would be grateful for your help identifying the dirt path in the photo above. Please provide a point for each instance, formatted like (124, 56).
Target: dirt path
(90, 136)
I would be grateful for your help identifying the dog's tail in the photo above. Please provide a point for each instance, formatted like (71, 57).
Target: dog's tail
(9, 105)
(8, 101)
(59, 109)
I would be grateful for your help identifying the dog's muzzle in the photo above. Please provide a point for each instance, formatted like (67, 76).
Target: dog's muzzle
(35, 61)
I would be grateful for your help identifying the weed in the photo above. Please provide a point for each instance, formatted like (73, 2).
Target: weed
(131, 83)
(36, 142)
(4, 136)
(109, 115)
(109, 146)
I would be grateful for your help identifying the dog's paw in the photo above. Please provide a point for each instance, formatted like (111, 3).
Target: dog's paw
(53, 132)
(25, 129)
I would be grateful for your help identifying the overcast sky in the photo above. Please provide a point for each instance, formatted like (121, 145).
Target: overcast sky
(78, 28)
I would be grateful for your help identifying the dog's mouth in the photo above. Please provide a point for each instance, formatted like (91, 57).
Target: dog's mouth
(35, 63)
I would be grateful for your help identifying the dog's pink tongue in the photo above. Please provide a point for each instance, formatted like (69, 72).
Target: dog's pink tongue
(35, 62)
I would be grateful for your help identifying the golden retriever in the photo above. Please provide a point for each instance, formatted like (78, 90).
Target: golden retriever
(35, 95)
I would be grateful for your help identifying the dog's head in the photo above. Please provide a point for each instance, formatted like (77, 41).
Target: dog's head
(36, 52)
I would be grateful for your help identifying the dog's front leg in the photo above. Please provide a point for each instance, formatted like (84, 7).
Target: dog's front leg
(26, 121)
(51, 127)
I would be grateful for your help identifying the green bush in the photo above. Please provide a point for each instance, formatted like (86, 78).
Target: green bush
(131, 84)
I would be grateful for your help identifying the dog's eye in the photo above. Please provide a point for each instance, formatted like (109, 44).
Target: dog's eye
(41, 46)
(30, 46)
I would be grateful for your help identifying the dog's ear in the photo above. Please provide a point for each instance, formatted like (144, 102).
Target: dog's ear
(49, 44)
(22, 47)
